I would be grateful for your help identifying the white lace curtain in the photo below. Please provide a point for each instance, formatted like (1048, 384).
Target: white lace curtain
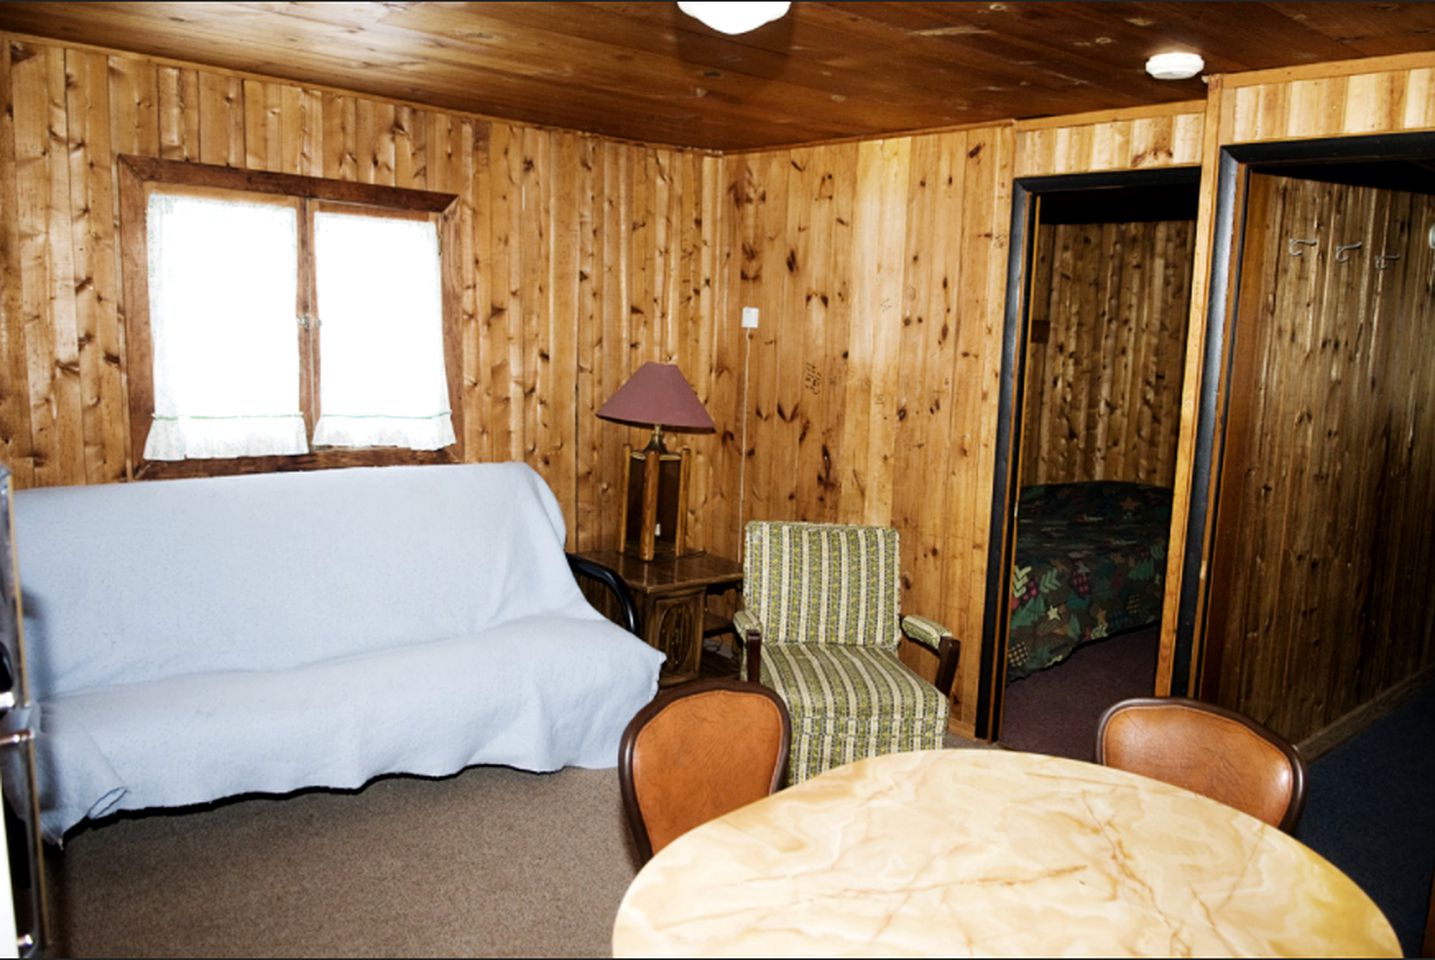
(223, 283)
(222, 286)
(380, 307)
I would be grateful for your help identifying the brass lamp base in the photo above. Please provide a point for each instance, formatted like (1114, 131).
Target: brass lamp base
(655, 496)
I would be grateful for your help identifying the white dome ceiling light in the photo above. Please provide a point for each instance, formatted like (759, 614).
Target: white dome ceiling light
(734, 17)
(1175, 66)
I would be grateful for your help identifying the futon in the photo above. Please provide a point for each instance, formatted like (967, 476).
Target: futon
(190, 640)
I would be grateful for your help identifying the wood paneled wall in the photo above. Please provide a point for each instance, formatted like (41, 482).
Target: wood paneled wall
(868, 392)
(1331, 100)
(1325, 536)
(581, 257)
(1106, 351)
(1381, 95)
(1164, 135)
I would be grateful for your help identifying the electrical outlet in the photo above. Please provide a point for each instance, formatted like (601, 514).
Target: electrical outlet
(749, 318)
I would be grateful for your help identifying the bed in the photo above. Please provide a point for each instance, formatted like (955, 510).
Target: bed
(1090, 562)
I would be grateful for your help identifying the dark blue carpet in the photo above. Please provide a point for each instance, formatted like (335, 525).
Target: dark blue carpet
(1370, 810)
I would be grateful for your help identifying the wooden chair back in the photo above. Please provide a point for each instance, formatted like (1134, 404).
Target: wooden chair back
(696, 752)
(1209, 750)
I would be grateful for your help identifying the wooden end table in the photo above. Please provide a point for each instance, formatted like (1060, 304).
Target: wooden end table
(672, 602)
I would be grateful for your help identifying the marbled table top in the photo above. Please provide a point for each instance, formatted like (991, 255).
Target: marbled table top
(993, 853)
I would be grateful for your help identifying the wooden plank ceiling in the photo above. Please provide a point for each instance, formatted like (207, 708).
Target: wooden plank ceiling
(646, 71)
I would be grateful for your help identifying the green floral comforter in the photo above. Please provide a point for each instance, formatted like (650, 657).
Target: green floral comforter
(1090, 562)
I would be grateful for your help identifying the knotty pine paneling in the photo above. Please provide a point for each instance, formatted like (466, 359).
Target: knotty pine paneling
(1167, 135)
(1325, 536)
(1331, 101)
(868, 392)
(1104, 360)
(579, 258)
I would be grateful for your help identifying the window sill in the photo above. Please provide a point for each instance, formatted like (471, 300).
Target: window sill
(318, 460)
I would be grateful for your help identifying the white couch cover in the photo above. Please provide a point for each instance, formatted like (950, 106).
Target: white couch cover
(189, 640)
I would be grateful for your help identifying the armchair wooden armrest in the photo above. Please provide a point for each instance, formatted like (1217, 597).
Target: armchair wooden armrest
(749, 628)
(939, 640)
(609, 578)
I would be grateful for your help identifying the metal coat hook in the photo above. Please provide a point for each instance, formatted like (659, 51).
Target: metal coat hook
(1294, 246)
(1342, 252)
(1384, 260)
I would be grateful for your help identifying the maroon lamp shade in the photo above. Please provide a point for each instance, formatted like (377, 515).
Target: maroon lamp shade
(657, 395)
(655, 481)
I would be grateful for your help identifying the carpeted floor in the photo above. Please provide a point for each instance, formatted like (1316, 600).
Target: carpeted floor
(491, 862)
(1369, 811)
(1055, 711)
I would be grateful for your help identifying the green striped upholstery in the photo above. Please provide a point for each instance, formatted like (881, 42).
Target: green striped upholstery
(822, 583)
(825, 599)
(849, 702)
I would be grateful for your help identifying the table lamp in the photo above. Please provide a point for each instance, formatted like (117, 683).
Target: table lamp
(655, 480)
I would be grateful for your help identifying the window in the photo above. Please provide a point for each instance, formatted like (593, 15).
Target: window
(277, 321)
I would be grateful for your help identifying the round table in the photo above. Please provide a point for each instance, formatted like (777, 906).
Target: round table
(993, 853)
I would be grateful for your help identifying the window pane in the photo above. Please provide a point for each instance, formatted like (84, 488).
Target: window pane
(222, 284)
(381, 380)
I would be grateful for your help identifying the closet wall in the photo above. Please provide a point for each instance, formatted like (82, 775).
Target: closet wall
(1325, 533)
(1333, 100)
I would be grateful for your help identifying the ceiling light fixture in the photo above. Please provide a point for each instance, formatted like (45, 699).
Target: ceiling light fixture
(1175, 66)
(734, 17)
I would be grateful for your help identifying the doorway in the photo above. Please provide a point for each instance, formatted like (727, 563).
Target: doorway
(1323, 531)
(1098, 301)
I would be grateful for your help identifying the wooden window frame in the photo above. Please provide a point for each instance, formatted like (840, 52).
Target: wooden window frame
(137, 176)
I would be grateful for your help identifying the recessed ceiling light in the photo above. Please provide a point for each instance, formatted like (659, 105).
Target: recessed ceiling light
(1175, 66)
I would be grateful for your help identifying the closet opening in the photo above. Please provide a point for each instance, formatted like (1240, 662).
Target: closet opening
(1304, 601)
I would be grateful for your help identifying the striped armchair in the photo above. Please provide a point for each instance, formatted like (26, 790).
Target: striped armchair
(820, 627)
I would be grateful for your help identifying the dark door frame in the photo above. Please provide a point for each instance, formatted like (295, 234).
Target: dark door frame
(1025, 190)
(1227, 253)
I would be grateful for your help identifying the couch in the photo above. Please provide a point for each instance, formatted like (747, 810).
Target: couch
(189, 640)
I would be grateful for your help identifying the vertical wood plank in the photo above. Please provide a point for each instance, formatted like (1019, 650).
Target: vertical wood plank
(46, 263)
(92, 205)
(590, 470)
(263, 126)
(410, 135)
(301, 132)
(879, 231)
(178, 113)
(611, 340)
(557, 440)
(16, 441)
(221, 119)
(768, 286)
(720, 219)
(340, 144)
